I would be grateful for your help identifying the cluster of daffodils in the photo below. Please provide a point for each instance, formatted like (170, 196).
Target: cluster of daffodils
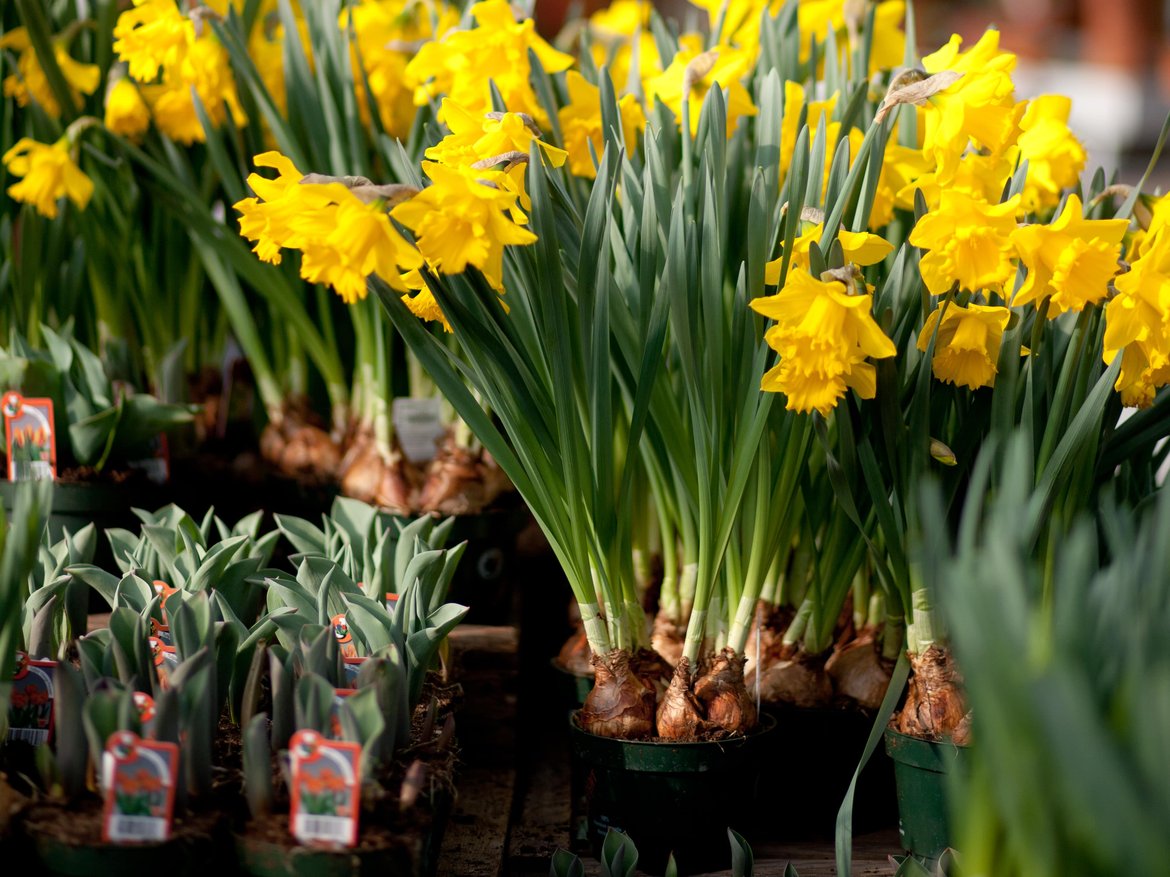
(992, 180)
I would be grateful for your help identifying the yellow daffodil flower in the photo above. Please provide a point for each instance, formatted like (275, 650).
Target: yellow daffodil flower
(860, 248)
(29, 80)
(979, 106)
(580, 121)
(460, 221)
(477, 138)
(983, 177)
(969, 243)
(49, 174)
(1136, 324)
(824, 337)
(615, 33)
(967, 346)
(1072, 260)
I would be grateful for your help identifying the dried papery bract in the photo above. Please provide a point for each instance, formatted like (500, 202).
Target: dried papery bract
(795, 678)
(723, 692)
(667, 638)
(460, 480)
(680, 715)
(652, 669)
(934, 708)
(575, 656)
(619, 704)
(859, 671)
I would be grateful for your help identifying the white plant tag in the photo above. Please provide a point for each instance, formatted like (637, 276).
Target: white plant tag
(418, 423)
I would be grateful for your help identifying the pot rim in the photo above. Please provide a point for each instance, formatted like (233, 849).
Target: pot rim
(768, 724)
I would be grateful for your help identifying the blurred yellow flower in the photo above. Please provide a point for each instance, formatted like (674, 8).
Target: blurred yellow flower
(126, 112)
(1138, 326)
(462, 63)
(581, 127)
(460, 221)
(969, 243)
(386, 36)
(966, 348)
(794, 101)
(817, 17)
(824, 337)
(1072, 260)
(721, 66)
(153, 35)
(1055, 157)
(616, 33)
(205, 68)
(49, 174)
(29, 80)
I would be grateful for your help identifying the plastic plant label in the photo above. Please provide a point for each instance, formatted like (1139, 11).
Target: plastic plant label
(418, 426)
(30, 706)
(30, 438)
(166, 660)
(343, 636)
(350, 667)
(164, 591)
(325, 790)
(144, 703)
(339, 695)
(139, 789)
(391, 603)
(161, 631)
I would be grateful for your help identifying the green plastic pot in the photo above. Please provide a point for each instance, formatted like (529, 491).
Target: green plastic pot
(920, 772)
(670, 797)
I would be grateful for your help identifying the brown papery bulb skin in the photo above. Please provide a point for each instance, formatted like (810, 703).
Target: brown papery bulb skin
(619, 704)
(934, 708)
(723, 692)
(680, 715)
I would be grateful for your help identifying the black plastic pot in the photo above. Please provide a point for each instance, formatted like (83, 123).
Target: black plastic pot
(921, 768)
(266, 859)
(416, 856)
(573, 687)
(670, 797)
(103, 503)
(816, 752)
(178, 857)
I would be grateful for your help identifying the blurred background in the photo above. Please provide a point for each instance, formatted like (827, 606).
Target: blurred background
(1111, 56)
